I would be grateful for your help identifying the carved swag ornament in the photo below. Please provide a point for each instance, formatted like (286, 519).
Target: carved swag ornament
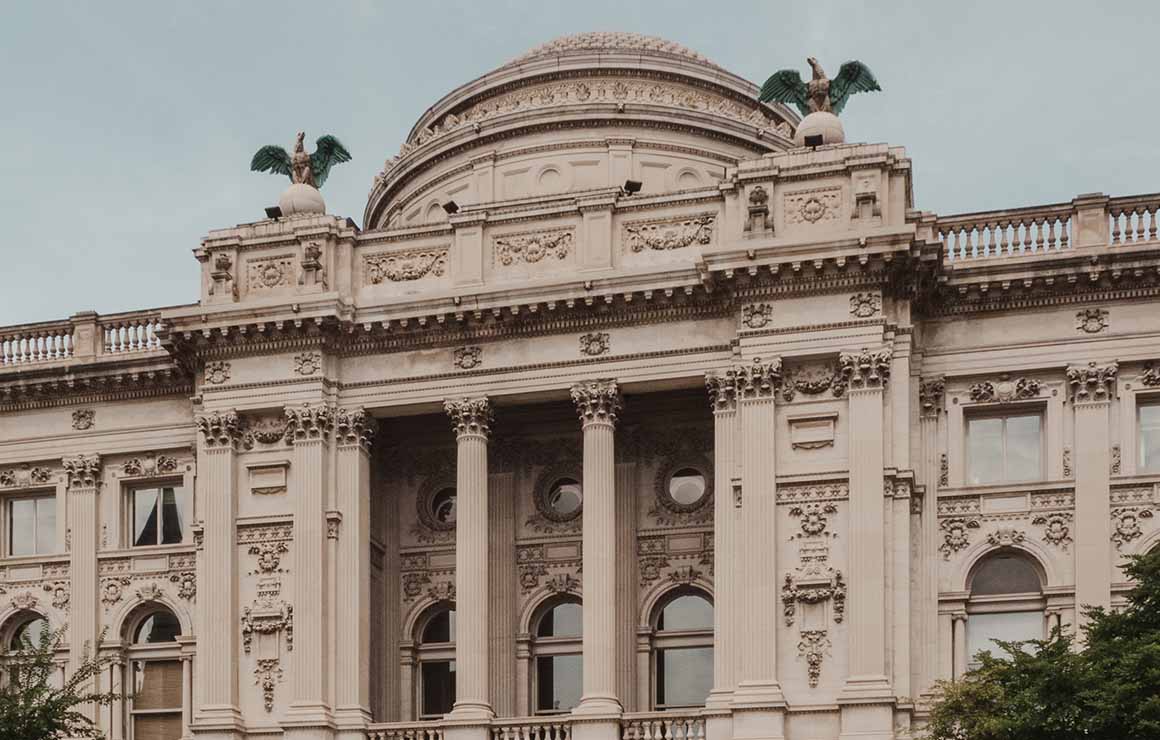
(1005, 390)
(667, 234)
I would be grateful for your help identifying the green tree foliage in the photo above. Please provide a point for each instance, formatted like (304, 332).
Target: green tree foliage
(1107, 690)
(33, 708)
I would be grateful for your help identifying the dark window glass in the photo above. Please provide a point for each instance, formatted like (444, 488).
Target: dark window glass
(562, 620)
(439, 628)
(437, 681)
(160, 626)
(687, 486)
(566, 497)
(29, 634)
(1005, 574)
(687, 612)
(443, 506)
(157, 516)
(559, 682)
(684, 676)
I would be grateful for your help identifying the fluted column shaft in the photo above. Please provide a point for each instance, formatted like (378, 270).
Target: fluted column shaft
(84, 480)
(959, 638)
(471, 421)
(599, 404)
(725, 515)
(354, 431)
(931, 395)
(218, 667)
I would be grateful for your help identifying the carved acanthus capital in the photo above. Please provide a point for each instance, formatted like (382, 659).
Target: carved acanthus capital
(308, 422)
(1092, 383)
(354, 426)
(84, 471)
(470, 416)
(597, 401)
(758, 379)
(220, 428)
(931, 393)
(722, 387)
(866, 369)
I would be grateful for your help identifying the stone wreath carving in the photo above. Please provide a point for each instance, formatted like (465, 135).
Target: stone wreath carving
(813, 589)
(756, 315)
(1091, 320)
(466, 358)
(271, 273)
(812, 380)
(402, 267)
(865, 305)
(429, 528)
(1005, 390)
(1126, 523)
(814, 518)
(307, 363)
(545, 519)
(813, 645)
(532, 248)
(812, 206)
(670, 512)
(1056, 528)
(83, 419)
(595, 343)
(956, 534)
(669, 233)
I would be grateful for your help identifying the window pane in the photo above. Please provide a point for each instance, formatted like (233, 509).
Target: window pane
(684, 676)
(1010, 626)
(687, 486)
(559, 682)
(688, 612)
(46, 524)
(566, 497)
(440, 628)
(1005, 574)
(160, 626)
(1023, 448)
(438, 687)
(562, 620)
(984, 450)
(1150, 438)
(157, 727)
(22, 526)
(171, 502)
(157, 684)
(29, 634)
(145, 516)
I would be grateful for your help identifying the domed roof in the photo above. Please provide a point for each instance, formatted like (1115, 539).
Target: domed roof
(608, 41)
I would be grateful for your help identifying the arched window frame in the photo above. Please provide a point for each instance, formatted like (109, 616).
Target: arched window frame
(135, 655)
(1021, 602)
(428, 652)
(542, 647)
(665, 639)
(16, 623)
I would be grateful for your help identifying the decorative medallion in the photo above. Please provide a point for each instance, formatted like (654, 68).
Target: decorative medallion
(112, 589)
(83, 419)
(812, 206)
(269, 555)
(466, 358)
(533, 247)
(217, 373)
(1056, 528)
(1091, 320)
(400, 267)
(756, 315)
(307, 363)
(670, 233)
(865, 305)
(595, 343)
(956, 534)
(1126, 523)
(814, 517)
(268, 274)
(1004, 390)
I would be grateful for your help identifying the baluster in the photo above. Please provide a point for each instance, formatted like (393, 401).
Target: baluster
(1141, 232)
(1153, 213)
(1116, 226)
(986, 239)
(568, 731)
(1040, 240)
(668, 728)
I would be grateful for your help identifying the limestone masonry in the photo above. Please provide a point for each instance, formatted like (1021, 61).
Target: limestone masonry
(758, 451)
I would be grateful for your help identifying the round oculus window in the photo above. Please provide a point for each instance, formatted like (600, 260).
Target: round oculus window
(687, 487)
(443, 506)
(565, 498)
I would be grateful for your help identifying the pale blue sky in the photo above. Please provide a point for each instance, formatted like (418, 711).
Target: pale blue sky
(127, 128)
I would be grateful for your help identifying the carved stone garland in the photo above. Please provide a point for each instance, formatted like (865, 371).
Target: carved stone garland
(668, 234)
(813, 645)
(532, 247)
(813, 380)
(400, 267)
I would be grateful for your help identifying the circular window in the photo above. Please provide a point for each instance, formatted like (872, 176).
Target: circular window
(687, 486)
(565, 498)
(443, 506)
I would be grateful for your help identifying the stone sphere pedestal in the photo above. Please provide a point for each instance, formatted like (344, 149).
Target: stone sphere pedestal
(301, 198)
(818, 129)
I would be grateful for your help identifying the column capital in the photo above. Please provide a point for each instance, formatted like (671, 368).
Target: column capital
(470, 416)
(84, 471)
(866, 369)
(597, 401)
(1092, 382)
(722, 389)
(353, 426)
(756, 379)
(308, 422)
(220, 428)
(931, 394)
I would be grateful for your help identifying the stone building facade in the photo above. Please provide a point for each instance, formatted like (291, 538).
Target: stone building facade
(758, 451)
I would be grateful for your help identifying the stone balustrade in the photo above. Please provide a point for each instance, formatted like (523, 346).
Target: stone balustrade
(42, 342)
(135, 331)
(1133, 219)
(672, 725)
(405, 731)
(82, 337)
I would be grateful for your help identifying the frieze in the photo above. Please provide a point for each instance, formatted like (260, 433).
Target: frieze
(249, 534)
(1052, 500)
(532, 247)
(400, 267)
(270, 274)
(668, 234)
(813, 492)
(1133, 495)
(812, 206)
(1005, 390)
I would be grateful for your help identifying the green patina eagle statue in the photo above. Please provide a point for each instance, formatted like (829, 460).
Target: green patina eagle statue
(820, 93)
(309, 169)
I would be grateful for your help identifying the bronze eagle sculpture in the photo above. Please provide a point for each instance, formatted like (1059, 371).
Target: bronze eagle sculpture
(310, 169)
(820, 93)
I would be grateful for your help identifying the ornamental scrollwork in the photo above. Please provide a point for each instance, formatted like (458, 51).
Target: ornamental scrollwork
(60, 592)
(532, 248)
(113, 589)
(1005, 537)
(597, 401)
(1056, 528)
(956, 534)
(308, 422)
(1092, 383)
(671, 233)
(470, 416)
(1126, 523)
(1005, 390)
(186, 582)
(405, 266)
(866, 368)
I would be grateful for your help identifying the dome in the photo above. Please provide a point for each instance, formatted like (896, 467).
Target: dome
(541, 121)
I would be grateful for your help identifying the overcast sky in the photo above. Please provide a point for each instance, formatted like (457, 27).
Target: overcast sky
(127, 128)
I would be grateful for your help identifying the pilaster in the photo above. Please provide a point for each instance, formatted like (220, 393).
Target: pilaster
(84, 481)
(931, 397)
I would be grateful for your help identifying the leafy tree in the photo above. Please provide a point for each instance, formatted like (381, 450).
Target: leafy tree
(1107, 690)
(32, 708)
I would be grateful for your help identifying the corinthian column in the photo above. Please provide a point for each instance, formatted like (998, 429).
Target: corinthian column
(309, 429)
(471, 421)
(217, 674)
(758, 691)
(84, 480)
(354, 430)
(866, 373)
(599, 403)
(1092, 388)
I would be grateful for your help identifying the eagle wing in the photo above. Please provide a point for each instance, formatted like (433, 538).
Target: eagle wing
(853, 77)
(328, 153)
(273, 159)
(786, 86)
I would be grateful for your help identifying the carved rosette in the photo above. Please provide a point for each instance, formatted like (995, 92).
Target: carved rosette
(866, 369)
(1092, 383)
(931, 394)
(353, 426)
(308, 422)
(470, 416)
(83, 471)
(220, 428)
(597, 401)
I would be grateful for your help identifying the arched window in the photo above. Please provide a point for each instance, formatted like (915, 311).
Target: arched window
(682, 647)
(557, 681)
(155, 683)
(436, 656)
(1006, 602)
(30, 627)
